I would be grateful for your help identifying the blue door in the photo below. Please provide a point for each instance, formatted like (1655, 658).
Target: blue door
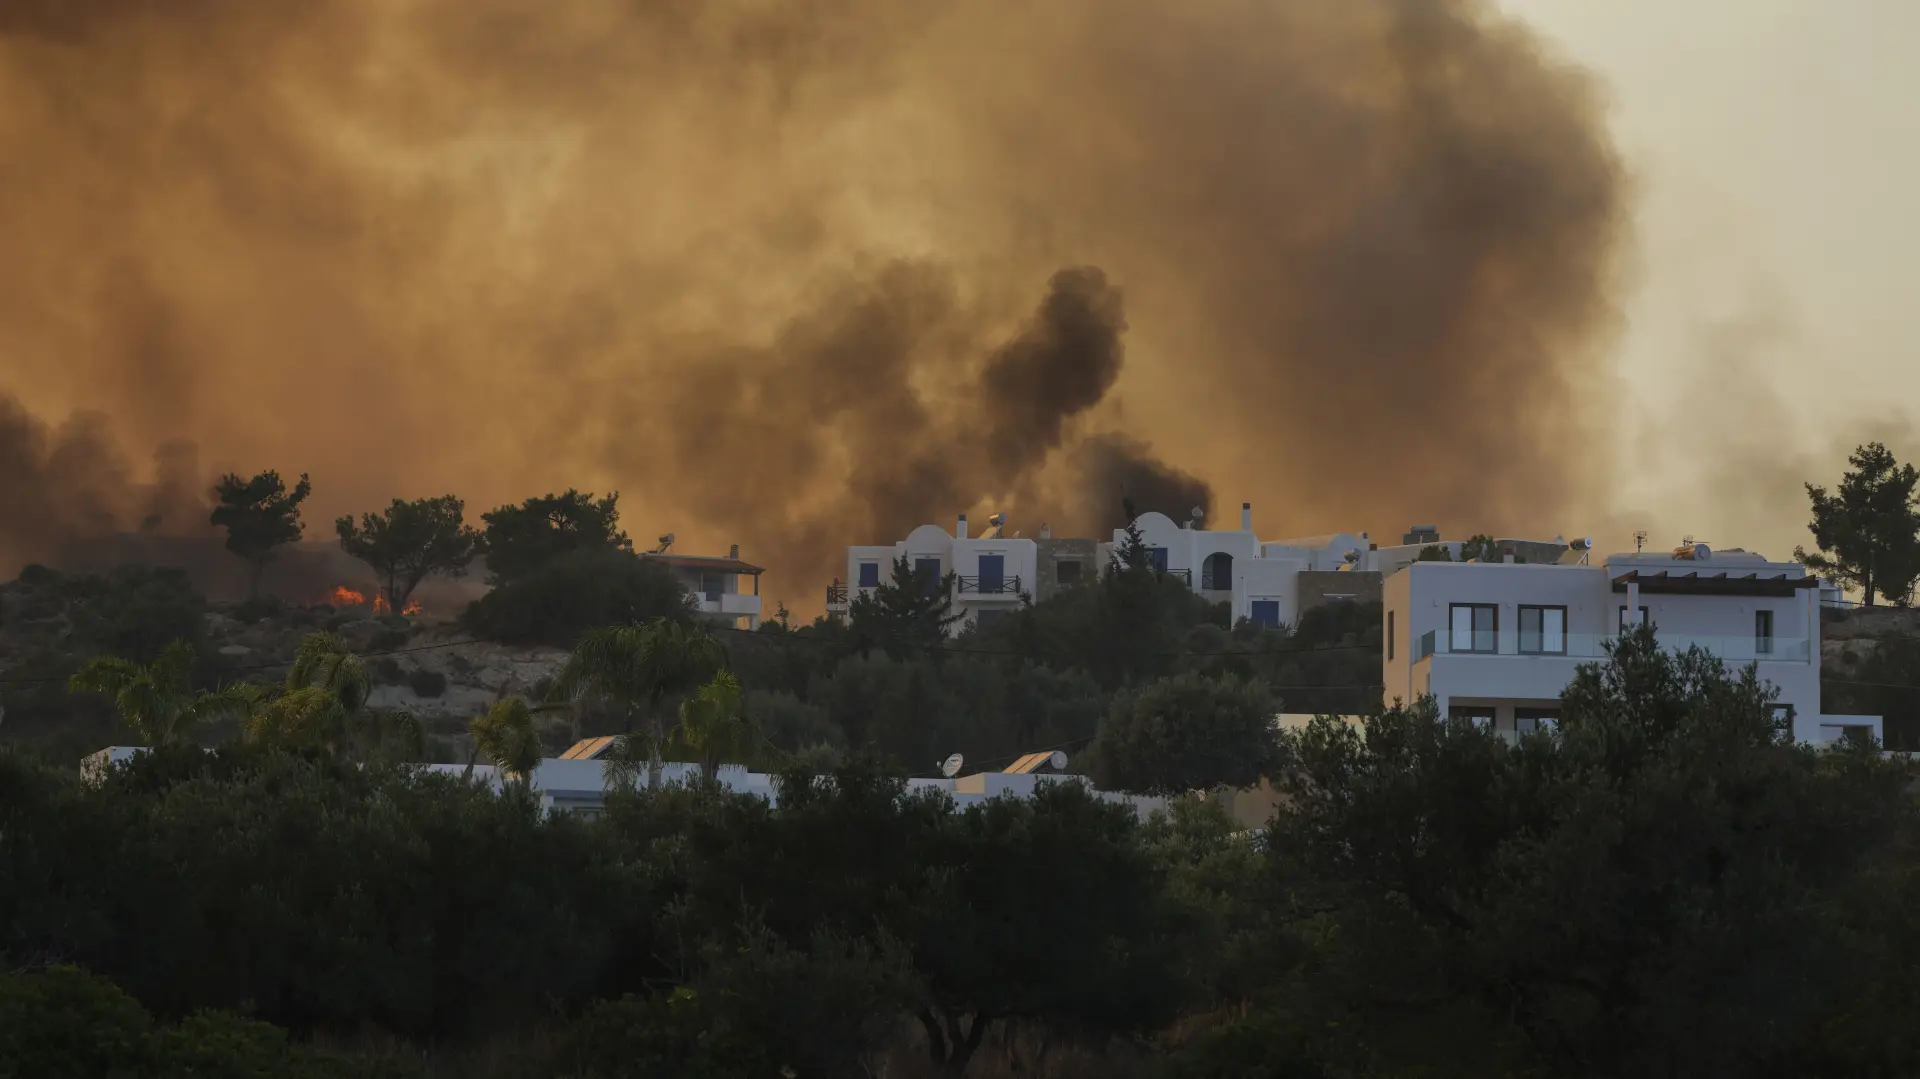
(1157, 557)
(1266, 612)
(993, 569)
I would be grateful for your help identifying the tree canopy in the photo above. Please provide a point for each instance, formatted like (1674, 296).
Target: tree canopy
(1868, 530)
(1188, 732)
(411, 541)
(260, 516)
(524, 539)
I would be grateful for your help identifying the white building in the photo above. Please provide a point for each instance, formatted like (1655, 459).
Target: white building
(1259, 580)
(1498, 642)
(993, 574)
(578, 784)
(716, 585)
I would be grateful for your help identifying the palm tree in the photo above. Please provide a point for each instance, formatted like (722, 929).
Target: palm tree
(712, 725)
(157, 701)
(324, 704)
(506, 736)
(636, 667)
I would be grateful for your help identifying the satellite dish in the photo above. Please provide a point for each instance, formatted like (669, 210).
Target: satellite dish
(1198, 513)
(951, 766)
(1057, 761)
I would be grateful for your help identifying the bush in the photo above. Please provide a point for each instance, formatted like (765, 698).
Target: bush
(257, 608)
(425, 683)
(1189, 732)
(65, 1022)
(387, 672)
(388, 639)
(574, 593)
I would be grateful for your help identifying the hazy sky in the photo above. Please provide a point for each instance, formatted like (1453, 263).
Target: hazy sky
(1775, 148)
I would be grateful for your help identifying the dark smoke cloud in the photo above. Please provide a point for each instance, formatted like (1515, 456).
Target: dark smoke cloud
(803, 275)
(61, 486)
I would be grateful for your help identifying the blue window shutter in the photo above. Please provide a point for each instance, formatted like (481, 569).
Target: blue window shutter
(1266, 612)
(869, 574)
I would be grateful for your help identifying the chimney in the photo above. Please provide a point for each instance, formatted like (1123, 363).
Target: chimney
(1046, 530)
(1246, 516)
(960, 530)
(734, 553)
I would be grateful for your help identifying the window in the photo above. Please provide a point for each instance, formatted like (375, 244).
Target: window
(1157, 558)
(1543, 631)
(1474, 627)
(993, 572)
(1783, 717)
(1266, 612)
(712, 585)
(1480, 715)
(1528, 720)
(869, 574)
(928, 570)
(1624, 624)
(1389, 636)
(1067, 572)
(1216, 573)
(1763, 633)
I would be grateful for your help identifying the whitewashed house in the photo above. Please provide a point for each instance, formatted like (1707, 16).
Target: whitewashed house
(1259, 580)
(993, 573)
(1497, 642)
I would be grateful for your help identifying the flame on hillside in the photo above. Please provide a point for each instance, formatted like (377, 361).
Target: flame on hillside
(342, 596)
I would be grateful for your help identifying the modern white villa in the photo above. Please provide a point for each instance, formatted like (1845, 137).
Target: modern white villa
(1498, 642)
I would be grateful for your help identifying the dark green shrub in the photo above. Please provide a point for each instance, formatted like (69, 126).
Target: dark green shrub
(427, 683)
(257, 608)
(387, 639)
(65, 1022)
(573, 593)
(387, 672)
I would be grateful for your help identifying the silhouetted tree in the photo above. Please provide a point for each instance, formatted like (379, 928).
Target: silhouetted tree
(1868, 531)
(260, 515)
(521, 540)
(410, 542)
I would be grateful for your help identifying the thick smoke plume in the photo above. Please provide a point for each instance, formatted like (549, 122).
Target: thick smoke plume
(803, 275)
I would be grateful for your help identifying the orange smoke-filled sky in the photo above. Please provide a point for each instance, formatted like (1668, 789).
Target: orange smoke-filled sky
(804, 275)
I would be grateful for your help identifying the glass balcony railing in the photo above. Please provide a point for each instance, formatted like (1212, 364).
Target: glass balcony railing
(1744, 649)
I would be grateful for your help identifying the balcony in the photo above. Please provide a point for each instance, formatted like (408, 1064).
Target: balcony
(990, 586)
(726, 603)
(837, 597)
(1216, 582)
(1740, 649)
(1185, 576)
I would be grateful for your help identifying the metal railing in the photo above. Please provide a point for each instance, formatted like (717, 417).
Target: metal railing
(1185, 575)
(1735, 649)
(1215, 582)
(836, 596)
(990, 586)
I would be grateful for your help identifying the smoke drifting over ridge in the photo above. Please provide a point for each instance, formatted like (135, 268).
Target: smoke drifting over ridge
(804, 275)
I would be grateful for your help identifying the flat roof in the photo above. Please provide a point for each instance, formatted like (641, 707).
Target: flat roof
(694, 561)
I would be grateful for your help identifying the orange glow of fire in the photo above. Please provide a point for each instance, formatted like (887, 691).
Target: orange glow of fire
(348, 597)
